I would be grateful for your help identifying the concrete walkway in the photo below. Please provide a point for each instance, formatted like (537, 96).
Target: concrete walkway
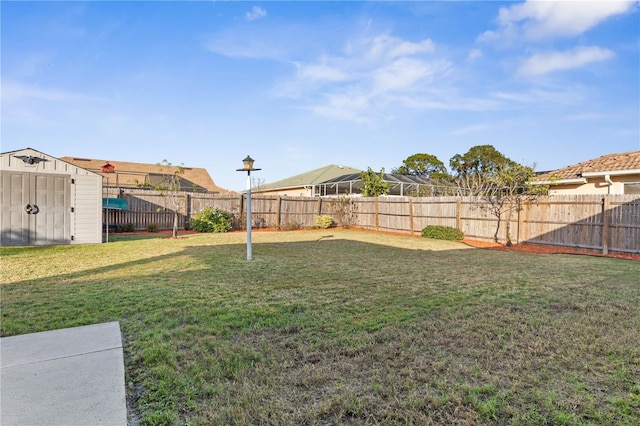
(73, 376)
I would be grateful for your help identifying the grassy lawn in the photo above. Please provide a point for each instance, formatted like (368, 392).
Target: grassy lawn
(345, 327)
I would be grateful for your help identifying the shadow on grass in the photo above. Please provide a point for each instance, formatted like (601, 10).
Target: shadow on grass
(348, 331)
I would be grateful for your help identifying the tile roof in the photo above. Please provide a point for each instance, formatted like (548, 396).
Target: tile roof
(606, 163)
(312, 177)
(130, 174)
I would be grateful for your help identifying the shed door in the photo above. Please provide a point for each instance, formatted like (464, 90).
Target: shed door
(35, 209)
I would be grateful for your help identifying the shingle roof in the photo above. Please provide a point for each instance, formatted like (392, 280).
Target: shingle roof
(606, 163)
(312, 177)
(130, 175)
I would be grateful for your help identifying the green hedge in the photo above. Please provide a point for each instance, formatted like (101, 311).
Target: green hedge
(211, 220)
(442, 233)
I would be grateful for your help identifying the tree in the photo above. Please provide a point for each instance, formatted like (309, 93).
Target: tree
(473, 170)
(374, 184)
(500, 182)
(344, 209)
(169, 187)
(507, 189)
(424, 165)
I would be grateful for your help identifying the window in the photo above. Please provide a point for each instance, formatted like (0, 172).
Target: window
(632, 188)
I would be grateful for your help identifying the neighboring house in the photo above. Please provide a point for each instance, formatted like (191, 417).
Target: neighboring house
(305, 184)
(399, 185)
(124, 174)
(48, 201)
(339, 180)
(609, 174)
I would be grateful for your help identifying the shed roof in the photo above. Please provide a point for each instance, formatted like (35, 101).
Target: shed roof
(43, 163)
(131, 175)
(606, 163)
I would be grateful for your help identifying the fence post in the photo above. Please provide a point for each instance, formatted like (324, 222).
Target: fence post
(459, 213)
(521, 215)
(377, 212)
(187, 211)
(319, 206)
(278, 208)
(411, 215)
(605, 224)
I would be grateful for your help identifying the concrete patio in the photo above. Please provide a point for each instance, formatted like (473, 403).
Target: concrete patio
(72, 376)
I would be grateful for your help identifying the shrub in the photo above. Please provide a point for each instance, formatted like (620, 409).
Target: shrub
(127, 227)
(152, 227)
(442, 233)
(323, 221)
(211, 220)
(290, 226)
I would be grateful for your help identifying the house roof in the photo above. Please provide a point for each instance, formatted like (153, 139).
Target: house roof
(130, 175)
(606, 163)
(312, 177)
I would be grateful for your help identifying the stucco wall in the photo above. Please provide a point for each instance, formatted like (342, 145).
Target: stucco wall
(595, 186)
(291, 192)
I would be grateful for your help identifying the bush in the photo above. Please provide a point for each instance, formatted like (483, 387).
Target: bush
(152, 227)
(442, 233)
(211, 220)
(290, 226)
(324, 221)
(127, 227)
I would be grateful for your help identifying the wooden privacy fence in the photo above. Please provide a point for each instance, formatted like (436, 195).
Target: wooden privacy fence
(604, 223)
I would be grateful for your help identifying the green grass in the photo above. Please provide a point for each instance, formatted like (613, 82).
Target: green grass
(345, 327)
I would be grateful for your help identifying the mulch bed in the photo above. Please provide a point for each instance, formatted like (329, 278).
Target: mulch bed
(538, 249)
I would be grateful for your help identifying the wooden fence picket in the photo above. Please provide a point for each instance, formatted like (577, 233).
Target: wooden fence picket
(608, 224)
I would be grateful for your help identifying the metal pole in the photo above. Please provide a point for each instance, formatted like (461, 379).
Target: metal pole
(248, 215)
(107, 212)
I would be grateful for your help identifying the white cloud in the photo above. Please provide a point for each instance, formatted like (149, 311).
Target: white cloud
(544, 63)
(474, 54)
(370, 76)
(350, 105)
(406, 73)
(256, 13)
(542, 19)
(249, 48)
(321, 72)
(385, 46)
(558, 96)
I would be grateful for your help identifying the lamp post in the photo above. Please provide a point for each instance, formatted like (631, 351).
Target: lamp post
(248, 167)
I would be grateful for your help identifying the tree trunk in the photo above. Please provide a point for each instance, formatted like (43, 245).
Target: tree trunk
(175, 224)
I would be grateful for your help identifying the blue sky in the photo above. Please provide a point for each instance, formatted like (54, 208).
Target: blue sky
(301, 85)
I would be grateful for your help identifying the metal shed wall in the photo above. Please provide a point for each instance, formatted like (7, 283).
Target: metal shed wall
(68, 200)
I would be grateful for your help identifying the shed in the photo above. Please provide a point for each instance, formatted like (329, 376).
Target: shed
(48, 201)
